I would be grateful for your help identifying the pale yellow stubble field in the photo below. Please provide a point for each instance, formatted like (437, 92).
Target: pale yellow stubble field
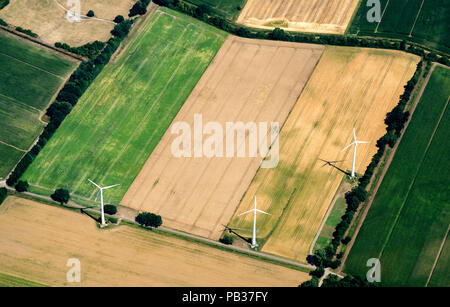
(36, 241)
(320, 16)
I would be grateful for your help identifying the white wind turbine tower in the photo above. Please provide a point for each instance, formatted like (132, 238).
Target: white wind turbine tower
(355, 143)
(254, 244)
(101, 196)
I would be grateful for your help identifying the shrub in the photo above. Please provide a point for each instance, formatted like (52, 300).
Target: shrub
(226, 239)
(90, 13)
(21, 186)
(149, 219)
(61, 195)
(3, 23)
(110, 209)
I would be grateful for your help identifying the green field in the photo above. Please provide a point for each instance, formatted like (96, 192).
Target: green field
(13, 281)
(226, 8)
(120, 119)
(29, 78)
(409, 218)
(326, 235)
(422, 21)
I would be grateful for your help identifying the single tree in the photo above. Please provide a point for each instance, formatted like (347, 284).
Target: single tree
(226, 239)
(61, 195)
(21, 186)
(119, 19)
(149, 219)
(110, 209)
(90, 13)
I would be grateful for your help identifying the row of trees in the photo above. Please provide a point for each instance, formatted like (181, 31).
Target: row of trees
(205, 14)
(89, 50)
(148, 219)
(27, 32)
(395, 121)
(68, 97)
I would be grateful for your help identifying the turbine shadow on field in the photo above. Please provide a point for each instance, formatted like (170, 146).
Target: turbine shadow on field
(330, 163)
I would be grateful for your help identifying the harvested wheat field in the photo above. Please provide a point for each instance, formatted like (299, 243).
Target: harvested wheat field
(47, 18)
(324, 16)
(248, 81)
(351, 87)
(37, 240)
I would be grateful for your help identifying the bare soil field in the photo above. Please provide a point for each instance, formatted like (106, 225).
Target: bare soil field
(248, 81)
(37, 240)
(350, 88)
(324, 16)
(48, 19)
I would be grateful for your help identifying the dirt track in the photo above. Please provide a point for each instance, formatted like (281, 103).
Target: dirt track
(249, 80)
(325, 16)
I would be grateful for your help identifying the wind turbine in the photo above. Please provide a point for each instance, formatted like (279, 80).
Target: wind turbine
(101, 197)
(254, 244)
(355, 143)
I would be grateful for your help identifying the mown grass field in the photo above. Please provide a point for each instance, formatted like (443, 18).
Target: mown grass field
(227, 8)
(409, 217)
(422, 21)
(125, 112)
(29, 78)
(326, 235)
(36, 241)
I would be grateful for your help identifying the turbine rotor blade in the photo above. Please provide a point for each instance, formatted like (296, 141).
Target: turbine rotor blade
(348, 146)
(111, 186)
(246, 212)
(260, 211)
(94, 183)
(98, 193)
(354, 134)
(361, 142)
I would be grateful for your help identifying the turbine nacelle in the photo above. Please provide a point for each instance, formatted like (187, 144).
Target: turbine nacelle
(355, 145)
(254, 210)
(100, 192)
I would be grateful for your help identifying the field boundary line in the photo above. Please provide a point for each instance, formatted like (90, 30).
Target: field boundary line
(438, 256)
(23, 104)
(417, 17)
(34, 66)
(17, 148)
